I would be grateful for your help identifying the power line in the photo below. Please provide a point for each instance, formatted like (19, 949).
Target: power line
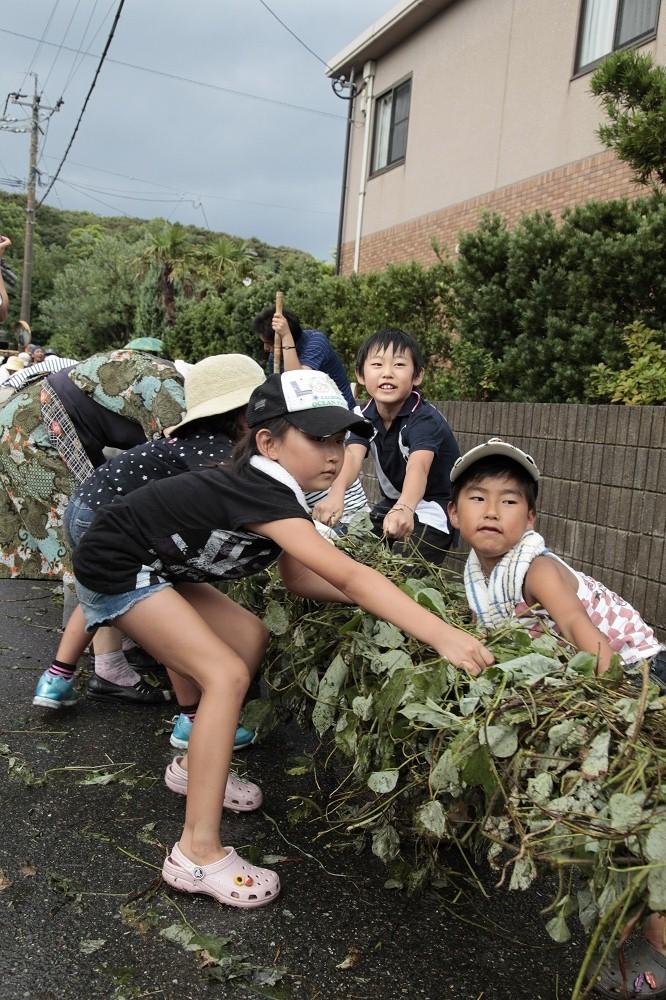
(192, 197)
(293, 33)
(76, 65)
(187, 79)
(40, 41)
(85, 103)
(59, 50)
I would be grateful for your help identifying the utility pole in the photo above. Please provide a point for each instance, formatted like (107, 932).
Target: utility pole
(26, 283)
(35, 128)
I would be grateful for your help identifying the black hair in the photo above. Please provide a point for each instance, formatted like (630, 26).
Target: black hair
(247, 446)
(498, 467)
(263, 328)
(218, 423)
(401, 342)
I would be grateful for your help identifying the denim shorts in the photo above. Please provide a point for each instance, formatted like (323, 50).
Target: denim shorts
(103, 609)
(100, 609)
(76, 520)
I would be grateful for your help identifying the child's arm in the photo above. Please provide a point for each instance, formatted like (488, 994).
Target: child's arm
(551, 585)
(399, 521)
(330, 510)
(290, 358)
(365, 587)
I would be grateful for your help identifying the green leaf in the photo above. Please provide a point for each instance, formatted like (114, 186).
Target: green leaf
(431, 817)
(179, 934)
(501, 740)
(383, 781)
(655, 843)
(540, 788)
(391, 661)
(557, 928)
(530, 668)
(386, 843)
(445, 776)
(431, 715)
(583, 663)
(657, 889)
(276, 618)
(523, 874)
(362, 707)
(432, 600)
(324, 712)
(595, 760)
(478, 771)
(388, 636)
(90, 946)
(625, 811)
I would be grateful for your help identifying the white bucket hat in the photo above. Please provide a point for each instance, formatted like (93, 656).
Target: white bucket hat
(218, 385)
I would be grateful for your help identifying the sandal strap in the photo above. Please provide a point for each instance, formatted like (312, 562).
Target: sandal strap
(230, 858)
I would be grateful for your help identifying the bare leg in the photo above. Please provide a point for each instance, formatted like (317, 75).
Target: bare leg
(74, 639)
(176, 632)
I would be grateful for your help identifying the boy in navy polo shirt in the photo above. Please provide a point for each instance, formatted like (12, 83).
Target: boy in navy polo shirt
(413, 447)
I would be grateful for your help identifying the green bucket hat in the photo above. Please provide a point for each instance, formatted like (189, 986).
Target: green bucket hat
(152, 344)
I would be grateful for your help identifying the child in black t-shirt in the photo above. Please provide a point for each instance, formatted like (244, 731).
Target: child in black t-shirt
(217, 524)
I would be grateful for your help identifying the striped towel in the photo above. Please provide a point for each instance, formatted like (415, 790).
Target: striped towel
(495, 599)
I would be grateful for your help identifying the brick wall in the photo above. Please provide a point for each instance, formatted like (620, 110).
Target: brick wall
(600, 177)
(602, 498)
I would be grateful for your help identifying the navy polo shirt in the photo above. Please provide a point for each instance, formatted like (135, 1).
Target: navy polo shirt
(418, 427)
(315, 351)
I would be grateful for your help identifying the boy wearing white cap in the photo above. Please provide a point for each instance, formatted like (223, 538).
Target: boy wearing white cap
(510, 572)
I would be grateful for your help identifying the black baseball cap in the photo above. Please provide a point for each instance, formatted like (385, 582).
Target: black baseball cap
(309, 400)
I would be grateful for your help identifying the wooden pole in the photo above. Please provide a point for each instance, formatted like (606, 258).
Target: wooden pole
(277, 341)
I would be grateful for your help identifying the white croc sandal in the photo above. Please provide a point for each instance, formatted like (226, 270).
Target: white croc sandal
(239, 795)
(231, 880)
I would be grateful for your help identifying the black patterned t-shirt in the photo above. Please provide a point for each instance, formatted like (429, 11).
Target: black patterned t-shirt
(190, 527)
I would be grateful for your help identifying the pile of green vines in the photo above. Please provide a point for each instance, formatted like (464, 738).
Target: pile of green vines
(538, 763)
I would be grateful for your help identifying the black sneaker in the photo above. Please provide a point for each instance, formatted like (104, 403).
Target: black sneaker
(140, 694)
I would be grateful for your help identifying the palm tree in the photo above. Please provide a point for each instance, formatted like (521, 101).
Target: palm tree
(168, 252)
(225, 261)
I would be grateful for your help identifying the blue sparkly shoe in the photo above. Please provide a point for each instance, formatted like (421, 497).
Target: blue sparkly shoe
(54, 692)
(180, 735)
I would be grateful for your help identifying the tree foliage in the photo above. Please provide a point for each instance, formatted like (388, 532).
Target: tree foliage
(643, 381)
(632, 90)
(547, 302)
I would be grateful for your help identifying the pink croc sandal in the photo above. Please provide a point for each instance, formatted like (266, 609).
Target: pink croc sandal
(230, 880)
(239, 795)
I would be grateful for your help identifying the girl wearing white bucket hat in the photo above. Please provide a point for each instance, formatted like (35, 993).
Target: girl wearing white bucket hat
(217, 391)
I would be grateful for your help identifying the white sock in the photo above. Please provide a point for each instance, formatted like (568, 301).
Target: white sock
(114, 667)
(128, 644)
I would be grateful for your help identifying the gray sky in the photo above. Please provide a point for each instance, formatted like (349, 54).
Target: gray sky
(235, 164)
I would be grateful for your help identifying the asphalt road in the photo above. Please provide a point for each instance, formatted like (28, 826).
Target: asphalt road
(86, 819)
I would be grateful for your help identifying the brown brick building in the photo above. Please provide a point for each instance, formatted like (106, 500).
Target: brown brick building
(463, 106)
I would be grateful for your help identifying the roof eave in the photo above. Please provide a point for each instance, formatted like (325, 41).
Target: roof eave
(385, 34)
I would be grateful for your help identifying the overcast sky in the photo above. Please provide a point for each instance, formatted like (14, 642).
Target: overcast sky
(222, 160)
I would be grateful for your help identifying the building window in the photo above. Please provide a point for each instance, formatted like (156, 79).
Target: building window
(391, 121)
(606, 25)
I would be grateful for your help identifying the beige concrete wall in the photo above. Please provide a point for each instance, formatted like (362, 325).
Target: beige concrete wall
(493, 103)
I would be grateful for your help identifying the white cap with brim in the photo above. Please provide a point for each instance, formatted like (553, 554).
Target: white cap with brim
(219, 385)
(494, 446)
